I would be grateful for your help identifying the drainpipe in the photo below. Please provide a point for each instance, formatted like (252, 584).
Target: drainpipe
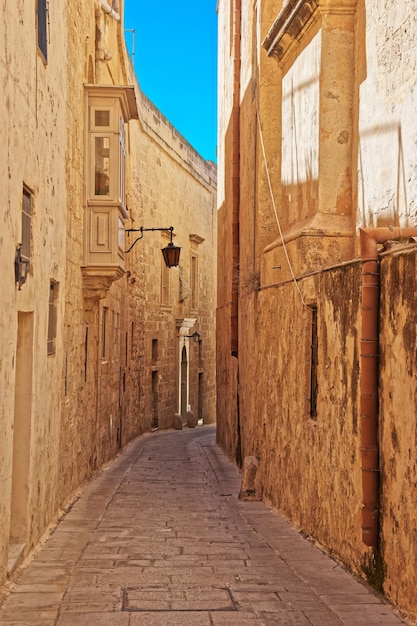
(102, 52)
(112, 11)
(236, 176)
(369, 376)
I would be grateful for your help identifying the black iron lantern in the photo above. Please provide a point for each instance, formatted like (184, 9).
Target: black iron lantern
(171, 252)
(195, 336)
(21, 267)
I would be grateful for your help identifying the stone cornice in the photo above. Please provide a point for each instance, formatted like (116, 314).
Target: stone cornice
(295, 19)
(288, 26)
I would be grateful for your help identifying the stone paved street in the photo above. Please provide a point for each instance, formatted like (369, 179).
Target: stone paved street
(160, 538)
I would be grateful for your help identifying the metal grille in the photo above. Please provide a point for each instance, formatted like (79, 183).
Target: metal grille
(42, 20)
(26, 224)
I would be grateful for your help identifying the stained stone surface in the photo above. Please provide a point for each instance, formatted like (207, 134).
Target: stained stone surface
(160, 538)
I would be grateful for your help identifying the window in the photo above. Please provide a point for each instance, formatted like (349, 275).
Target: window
(108, 150)
(53, 296)
(102, 166)
(109, 109)
(313, 363)
(104, 333)
(194, 282)
(42, 27)
(26, 224)
(86, 354)
(164, 283)
(122, 162)
(116, 330)
(155, 400)
(154, 350)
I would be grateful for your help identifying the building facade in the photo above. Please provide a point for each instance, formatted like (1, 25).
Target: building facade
(91, 337)
(316, 323)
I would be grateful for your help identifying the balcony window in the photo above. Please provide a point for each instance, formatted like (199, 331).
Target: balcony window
(108, 109)
(102, 166)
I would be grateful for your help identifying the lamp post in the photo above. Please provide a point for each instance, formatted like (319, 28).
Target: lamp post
(171, 252)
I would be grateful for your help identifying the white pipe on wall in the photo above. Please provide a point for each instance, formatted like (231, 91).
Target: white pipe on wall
(112, 11)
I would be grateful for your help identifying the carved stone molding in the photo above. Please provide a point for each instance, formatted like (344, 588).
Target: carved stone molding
(196, 239)
(96, 284)
(295, 19)
(288, 26)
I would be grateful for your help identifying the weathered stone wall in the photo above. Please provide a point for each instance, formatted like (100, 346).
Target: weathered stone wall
(310, 465)
(65, 414)
(228, 429)
(398, 428)
(34, 115)
(173, 186)
(387, 186)
(93, 398)
(329, 107)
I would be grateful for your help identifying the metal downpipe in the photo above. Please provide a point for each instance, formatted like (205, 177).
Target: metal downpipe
(369, 375)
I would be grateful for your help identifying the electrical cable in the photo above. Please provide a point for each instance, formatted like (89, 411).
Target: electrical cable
(258, 117)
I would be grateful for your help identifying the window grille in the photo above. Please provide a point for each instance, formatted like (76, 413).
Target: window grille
(26, 224)
(42, 27)
(313, 364)
(104, 322)
(53, 294)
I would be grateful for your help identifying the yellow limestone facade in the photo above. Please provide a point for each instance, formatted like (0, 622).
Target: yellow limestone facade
(316, 321)
(95, 342)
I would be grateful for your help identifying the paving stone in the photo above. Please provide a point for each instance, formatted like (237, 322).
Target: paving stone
(159, 538)
(170, 619)
(235, 619)
(33, 602)
(93, 619)
(42, 618)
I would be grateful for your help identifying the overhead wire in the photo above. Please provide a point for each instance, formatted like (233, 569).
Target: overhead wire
(271, 191)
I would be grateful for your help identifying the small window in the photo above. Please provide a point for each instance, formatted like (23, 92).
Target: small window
(155, 400)
(26, 224)
(313, 363)
(104, 322)
(102, 118)
(122, 162)
(102, 166)
(154, 350)
(164, 283)
(194, 282)
(42, 27)
(116, 330)
(53, 296)
(86, 354)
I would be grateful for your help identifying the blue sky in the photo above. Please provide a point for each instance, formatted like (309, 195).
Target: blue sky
(176, 64)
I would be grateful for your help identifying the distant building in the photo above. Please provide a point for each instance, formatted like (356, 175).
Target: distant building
(95, 342)
(316, 322)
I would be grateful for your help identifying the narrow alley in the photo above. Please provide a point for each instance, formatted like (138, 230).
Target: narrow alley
(160, 538)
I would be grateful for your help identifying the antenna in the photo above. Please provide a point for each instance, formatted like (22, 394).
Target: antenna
(133, 31)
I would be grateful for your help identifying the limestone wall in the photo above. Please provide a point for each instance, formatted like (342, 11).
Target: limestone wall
(173, 186)
(64, 414)
(387, 185)
(33, 154)
(398, 430)
(335, 103)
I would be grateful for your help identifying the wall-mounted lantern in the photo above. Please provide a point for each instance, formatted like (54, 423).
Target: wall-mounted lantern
(195, 336)
(21, 267)
(171, 252)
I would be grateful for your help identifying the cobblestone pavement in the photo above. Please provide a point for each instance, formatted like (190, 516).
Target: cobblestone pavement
(159, 538)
